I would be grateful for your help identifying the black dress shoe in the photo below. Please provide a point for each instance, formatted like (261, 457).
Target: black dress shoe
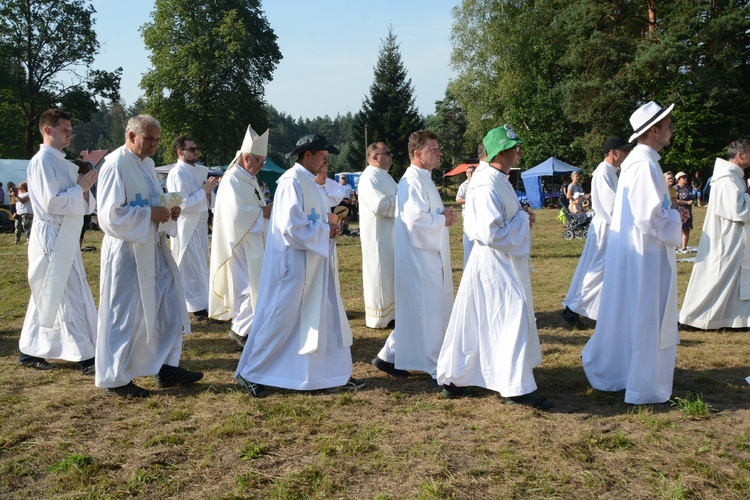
(130, 390)
(170, 376)
(391, 324)
(572, 318)
(351, 385)
(238, 338)
(451, 391)
(38, 363)
(202, 314)
(389, 368)
(255, 390)
(88, 366)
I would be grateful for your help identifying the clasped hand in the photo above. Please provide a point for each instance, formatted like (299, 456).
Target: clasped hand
(162, 214)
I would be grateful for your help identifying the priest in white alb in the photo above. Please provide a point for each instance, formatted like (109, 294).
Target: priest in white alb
(332, 190)
(239, 238)
(300, 337)
(585, 288)
(190, 242)
(635, 341)
(423, 273)
(60, 321)
(377, 213)
(718, 294)
(492, 340)
(142, 312)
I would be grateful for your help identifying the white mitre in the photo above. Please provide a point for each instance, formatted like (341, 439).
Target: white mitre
(253, 144)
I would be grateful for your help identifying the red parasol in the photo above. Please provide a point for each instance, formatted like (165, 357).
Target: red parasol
(460, 169)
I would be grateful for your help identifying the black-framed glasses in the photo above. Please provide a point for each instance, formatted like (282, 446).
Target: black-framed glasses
(259, 159)
(387, 153)
(192, 150)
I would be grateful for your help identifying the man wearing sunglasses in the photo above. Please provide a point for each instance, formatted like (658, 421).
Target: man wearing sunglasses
(377, 199)
(190, 245)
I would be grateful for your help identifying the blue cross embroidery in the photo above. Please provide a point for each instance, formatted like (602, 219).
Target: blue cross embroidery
(139, 201)
(313, 216)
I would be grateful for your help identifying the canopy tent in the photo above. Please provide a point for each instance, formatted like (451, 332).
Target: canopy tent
(352, 178)
(460, 169)
(269, 174)
(532, 178)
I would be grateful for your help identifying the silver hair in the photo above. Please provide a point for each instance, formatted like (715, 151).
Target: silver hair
(737, 147)
(138, 124)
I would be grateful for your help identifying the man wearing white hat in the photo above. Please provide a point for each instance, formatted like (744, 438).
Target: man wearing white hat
(634, 344)
(300, 338)
(190, 244)
(239, 238)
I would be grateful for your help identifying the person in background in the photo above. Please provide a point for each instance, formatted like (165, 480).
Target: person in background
(84, 167)
(461, 197)
(684, 201)
(697, 183)
(24, 212)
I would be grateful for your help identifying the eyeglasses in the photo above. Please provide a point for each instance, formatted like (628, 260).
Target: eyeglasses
(387, 153)
(259, 159)
(192, 150)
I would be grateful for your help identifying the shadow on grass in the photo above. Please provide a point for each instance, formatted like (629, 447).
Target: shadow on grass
(553, 319)
(9, 342)
(724, 388)
(354, 314)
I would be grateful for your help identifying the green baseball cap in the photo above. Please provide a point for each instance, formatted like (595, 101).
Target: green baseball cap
(499, 139)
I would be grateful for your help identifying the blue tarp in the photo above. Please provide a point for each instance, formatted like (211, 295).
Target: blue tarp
(532, 178)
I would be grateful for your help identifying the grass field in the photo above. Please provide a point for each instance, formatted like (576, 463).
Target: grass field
(62, 437)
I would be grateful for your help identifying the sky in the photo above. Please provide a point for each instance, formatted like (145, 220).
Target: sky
(329, 49)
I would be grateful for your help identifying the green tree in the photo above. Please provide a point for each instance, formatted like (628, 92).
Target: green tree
(569, 73)
(44, 44)
(11, 124)
(211, 60)
(388, 113)
(449, 123)
(508, 62)
(285, 131)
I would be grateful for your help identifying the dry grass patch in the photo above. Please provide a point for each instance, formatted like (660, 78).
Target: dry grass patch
(62, 437)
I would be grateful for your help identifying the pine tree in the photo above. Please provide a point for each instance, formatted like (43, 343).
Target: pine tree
(388, 112)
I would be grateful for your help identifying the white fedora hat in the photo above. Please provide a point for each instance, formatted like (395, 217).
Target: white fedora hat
(646, 117)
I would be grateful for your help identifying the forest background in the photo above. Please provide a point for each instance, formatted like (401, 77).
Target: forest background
(565, 74)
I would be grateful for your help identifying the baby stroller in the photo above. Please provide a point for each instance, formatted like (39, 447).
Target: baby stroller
(576, 225)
